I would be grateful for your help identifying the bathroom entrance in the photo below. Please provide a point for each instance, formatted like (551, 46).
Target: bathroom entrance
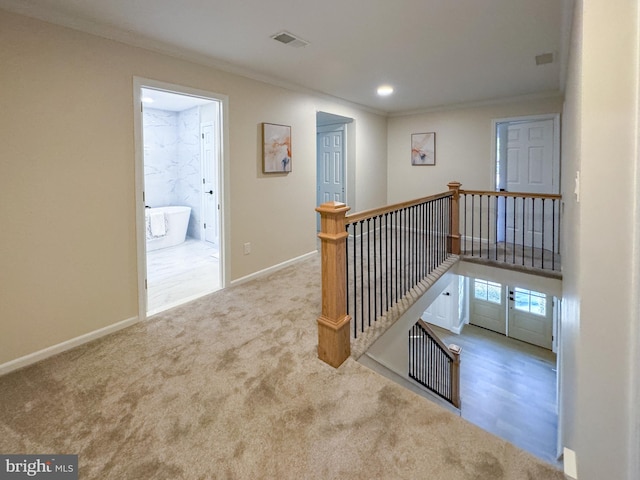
(181, 137)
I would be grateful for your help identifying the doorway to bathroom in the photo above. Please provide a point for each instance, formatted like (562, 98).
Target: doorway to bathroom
(181, 136)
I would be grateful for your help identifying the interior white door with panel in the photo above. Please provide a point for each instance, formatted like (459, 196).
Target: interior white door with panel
(210, 184)
(527, 162)
(330, 164)
(442, 311)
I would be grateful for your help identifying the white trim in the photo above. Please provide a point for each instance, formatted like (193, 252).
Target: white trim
(223, 180)
(273, 268)
(43, 354)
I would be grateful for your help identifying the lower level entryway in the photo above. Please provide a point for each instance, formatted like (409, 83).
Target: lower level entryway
(508, 388)
(516, 312)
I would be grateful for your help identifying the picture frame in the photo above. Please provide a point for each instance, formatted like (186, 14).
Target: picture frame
(423, 148)
(276, 148)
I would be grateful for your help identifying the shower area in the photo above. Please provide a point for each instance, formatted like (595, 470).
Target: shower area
(181, 171)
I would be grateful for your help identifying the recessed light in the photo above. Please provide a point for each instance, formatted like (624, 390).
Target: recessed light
(384, 90)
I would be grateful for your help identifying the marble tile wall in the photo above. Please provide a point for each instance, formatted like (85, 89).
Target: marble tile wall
(172, 161)
(189, 179)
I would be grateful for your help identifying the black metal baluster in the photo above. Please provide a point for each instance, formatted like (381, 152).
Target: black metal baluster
(495, 233)
(533, 230)
(553, 234)
(543, 222)
(480, 225)
(506, 236)
(346, 247)
(368, 272)
(524, 228)
(473, 214)
(488, 226)
(513, 260)
(361, 276)
(398, 253)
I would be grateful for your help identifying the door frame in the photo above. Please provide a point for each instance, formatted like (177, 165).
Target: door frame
(320, 129)
(497, 122)
(349, 153)
(223, 180)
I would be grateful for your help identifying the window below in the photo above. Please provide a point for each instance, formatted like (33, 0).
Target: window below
(487, 291)
(530, 301)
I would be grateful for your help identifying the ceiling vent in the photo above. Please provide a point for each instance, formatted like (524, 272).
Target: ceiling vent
(544, 58)
(290, 39)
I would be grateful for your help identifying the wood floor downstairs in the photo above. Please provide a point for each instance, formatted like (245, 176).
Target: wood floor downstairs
(508, 388)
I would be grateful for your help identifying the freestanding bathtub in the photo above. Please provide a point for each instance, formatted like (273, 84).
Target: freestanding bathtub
(176, 221)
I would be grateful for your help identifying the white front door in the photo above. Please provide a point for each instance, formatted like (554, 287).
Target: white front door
(487, 305)
(331, 169)
(527, 163)
(210, 184)
(531, 317)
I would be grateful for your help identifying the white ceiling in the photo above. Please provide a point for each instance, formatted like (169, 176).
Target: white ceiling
(433, 52)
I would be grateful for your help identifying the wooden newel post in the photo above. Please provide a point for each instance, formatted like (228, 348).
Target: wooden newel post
(455, 375)
(453, 244)
(334, 345)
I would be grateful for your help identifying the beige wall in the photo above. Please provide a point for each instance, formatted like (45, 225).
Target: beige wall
(67, 177)
(607, 232)
(570, 313)
(463, 147)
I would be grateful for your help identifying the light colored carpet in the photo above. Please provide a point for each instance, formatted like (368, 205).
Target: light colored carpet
(230, 387)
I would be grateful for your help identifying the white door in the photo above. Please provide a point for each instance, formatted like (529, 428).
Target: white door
(210, 184)
(487, 305)
(441, 312)
(531, 317)
(331, 169)
(530, 166)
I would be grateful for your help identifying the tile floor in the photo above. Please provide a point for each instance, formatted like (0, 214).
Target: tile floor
(181, 273)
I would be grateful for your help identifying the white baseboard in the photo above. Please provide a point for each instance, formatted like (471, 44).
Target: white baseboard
(570, 467)
(273, 268)
(32, 358)
(456, 330)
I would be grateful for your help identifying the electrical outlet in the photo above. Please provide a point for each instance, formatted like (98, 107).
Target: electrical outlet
(247, 248)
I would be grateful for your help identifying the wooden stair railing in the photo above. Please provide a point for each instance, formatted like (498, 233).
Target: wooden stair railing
(427, 232)
(399, 245)
(515, 228)
(433, 364)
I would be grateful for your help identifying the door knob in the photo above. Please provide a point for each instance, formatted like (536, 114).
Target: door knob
(210, 192)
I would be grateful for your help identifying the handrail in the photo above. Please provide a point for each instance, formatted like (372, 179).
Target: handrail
(493, 193)
(434, 365)
(375, 257)
(358, 216)
(445, 349)
(515, 228)
(390, 251)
